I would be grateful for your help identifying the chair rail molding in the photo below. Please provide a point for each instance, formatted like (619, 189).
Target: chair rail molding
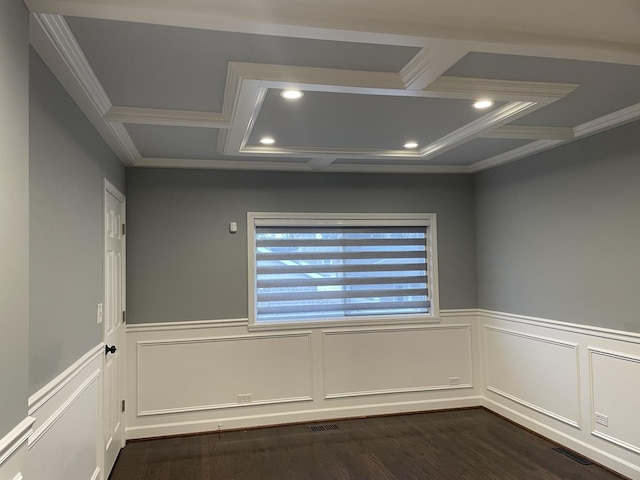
(15, 439)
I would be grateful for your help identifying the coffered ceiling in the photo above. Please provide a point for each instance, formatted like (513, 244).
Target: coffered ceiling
(198, 84)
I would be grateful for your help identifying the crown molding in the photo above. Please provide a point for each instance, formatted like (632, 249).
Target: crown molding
(430, 64)
(530, 133)
(222, 164)
(317, 78)
(606, 122)
(294, 166)
(54, 42)
(390, 169)
(260, 150)
(156, 116)
(515, 154)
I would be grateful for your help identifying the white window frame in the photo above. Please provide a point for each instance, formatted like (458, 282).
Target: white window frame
(284, 219)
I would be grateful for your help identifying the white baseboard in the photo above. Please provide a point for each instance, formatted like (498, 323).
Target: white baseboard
(249, 421)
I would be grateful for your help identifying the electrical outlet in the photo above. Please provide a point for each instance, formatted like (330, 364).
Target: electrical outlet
(602, 419)
(100, 315)
(244, 398)
(454, 380)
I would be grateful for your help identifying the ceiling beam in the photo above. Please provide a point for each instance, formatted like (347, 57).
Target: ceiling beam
(530, 133)
(471, 88)
(156, 116)
(430, 64)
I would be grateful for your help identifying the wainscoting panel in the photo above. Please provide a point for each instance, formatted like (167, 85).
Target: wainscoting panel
(189, 377)
(65, 441)
(615, 391)
(206, 373)
(566, 381)
(363, 362)
(538, 372)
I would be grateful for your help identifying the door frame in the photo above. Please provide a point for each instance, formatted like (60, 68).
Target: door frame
(109, 188)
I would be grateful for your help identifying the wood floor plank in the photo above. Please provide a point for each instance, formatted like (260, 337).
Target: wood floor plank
(456, 445)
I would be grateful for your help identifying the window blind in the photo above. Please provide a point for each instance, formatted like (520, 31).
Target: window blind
(327, 272)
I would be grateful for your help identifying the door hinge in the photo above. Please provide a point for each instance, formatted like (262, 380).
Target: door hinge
(124, 229)
(124, 316)
(123, 406)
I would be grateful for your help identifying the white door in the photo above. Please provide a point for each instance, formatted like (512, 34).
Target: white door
(113, 378)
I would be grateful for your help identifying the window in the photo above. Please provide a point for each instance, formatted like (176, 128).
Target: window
(330, 268)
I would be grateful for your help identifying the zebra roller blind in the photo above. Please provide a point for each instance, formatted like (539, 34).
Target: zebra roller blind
(330, 272)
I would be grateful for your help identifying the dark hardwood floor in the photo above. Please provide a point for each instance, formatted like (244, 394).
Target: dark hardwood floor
(456, 445)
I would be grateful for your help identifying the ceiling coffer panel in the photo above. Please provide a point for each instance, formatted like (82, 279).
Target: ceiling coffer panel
(154, 66)
(370, 122)
(159, 141)
(604, 87)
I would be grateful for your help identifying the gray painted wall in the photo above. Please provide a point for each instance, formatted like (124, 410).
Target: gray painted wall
(558, 233)
(68, 162)
(14, 212)
(183, 264)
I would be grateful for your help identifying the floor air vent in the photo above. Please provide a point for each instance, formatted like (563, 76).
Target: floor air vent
(573, 456)
(323, 428)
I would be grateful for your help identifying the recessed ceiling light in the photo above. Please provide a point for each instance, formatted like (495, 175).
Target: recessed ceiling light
(411, 145)
(482, 104)
(267, 141)
(292, 94)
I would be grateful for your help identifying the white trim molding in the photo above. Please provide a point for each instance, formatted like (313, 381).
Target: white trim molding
(15, 439)
(156, 116)
(43, 395)
(591, 330)
(68, 403)
(429, 64)
(530, 133)
(186, 325)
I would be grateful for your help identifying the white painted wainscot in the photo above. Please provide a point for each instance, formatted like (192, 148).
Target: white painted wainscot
(209, 375)
(574, 384)
(66, 437)
(552, 377)
(13, 450)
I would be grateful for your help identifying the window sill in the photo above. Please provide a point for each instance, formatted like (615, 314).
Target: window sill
(369, 322)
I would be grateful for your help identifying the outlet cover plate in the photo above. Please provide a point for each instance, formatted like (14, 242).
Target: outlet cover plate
(602, 420)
